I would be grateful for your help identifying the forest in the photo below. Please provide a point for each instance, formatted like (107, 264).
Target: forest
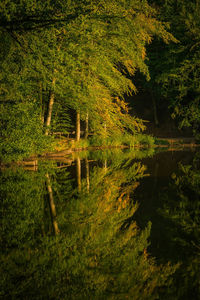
(119, 219)
(69, 66)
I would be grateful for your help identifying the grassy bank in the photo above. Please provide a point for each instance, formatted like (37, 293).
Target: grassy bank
(63, 146)
(125, 140)
(16, 152)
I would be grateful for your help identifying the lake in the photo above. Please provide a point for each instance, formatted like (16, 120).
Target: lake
(112, 224)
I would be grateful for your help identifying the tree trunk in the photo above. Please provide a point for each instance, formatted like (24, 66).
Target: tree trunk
(78, 126)
(50, 107)
(155, 114)
(105, 165)
(41, 102)
(87, 174)
(52, 205)
(78, 173)
(86, 126)
(105, 129)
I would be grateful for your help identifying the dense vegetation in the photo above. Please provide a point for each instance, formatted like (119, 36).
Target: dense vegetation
(77, 59)
(175, 68)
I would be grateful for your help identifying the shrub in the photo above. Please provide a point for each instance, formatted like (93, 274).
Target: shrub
(22, 132)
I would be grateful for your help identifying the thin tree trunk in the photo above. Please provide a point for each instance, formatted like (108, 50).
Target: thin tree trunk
(86, 126)
(155, 114)
(105, 129)
(50, 107)
(78, 173)
(78, 126)
(105, 165)
(41, 102)
(52, 205)
(87, 174)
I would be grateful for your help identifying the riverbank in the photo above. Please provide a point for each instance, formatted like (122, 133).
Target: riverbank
(65, 147)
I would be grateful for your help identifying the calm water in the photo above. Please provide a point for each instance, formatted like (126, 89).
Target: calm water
(102, 225)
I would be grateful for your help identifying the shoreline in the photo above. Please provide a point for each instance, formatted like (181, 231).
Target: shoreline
(170, 144)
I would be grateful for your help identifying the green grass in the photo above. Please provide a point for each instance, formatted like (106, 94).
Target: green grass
(123, 140)
(83, 143)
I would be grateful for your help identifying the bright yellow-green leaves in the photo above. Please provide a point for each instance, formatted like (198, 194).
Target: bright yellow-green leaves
(93, 49)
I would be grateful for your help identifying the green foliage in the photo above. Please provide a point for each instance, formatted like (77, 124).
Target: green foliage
(22, 132)
(175, 69)
(61, 119)
(126, 139)
(146, 140)
(83, 143)
(82, 53)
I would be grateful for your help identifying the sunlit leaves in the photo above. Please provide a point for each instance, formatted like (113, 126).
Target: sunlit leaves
(91, 47)
(22, 132)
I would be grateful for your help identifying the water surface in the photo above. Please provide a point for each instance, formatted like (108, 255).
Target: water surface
(108, 224)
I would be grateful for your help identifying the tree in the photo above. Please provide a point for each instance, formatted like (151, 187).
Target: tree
(22, 132)
(175, 68)
(78, 56)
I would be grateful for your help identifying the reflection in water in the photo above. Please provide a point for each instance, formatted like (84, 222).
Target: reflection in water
(100, 252)
(78, 173)
(87, 169)
(184, 214)
(51, 204)
(171, 201)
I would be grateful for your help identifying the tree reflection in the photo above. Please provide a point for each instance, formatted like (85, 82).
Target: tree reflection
(182, 207)
(52, 204)
(100, 252)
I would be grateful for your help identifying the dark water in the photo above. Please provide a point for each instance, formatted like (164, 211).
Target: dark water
(102, 225)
